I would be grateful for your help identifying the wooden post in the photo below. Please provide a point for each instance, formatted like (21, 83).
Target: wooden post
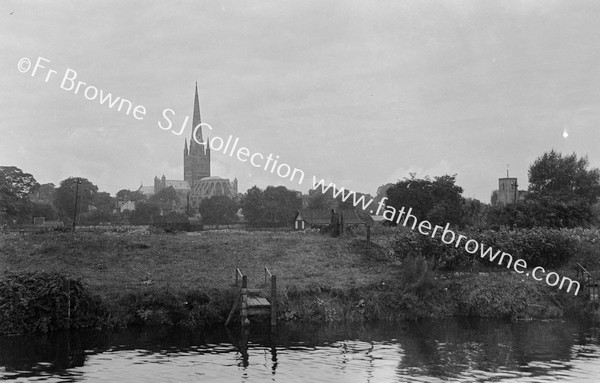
(273, 300)
(368, 234)
(244, 311)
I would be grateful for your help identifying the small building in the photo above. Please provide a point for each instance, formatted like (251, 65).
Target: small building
(339, 220)
(312, 219)
(125, 205)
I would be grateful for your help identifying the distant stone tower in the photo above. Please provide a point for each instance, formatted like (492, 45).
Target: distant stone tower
(160, 183)
(507, 191)
(196, 160)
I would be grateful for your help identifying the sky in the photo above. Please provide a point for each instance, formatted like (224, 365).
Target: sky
(358, 93)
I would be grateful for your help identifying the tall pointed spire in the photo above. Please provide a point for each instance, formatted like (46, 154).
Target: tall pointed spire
(196, 119)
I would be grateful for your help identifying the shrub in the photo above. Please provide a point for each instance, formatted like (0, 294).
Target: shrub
(550, 248)
(43, 302)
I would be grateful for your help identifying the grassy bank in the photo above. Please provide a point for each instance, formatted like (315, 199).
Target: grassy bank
(187, 279)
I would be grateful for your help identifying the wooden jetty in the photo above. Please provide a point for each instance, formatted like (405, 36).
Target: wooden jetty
(254, 302)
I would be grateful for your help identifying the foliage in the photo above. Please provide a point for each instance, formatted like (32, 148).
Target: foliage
(104, 202)
(274, 205)
(166, 196)
(381, 192)
(43, 302)
(499, 296)
(474, 212)
(128, 195)
(534, 213)
(562, 192)
(254, 205)
(318, 200)
(40, 209)
(219, 210)
(15, 188)
(563, 179)
(64, 198)
(439, 200)
(97, 216)
(144, 213)
(409, 244)
(549, 248)
(494, 198)
(172, 222)
(44, 193)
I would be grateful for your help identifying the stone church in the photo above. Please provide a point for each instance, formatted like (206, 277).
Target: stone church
(197, 182)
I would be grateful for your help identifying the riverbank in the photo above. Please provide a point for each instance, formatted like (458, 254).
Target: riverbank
(141, 278)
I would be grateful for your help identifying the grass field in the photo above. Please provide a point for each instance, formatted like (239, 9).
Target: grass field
(146, 278)
(114, 263)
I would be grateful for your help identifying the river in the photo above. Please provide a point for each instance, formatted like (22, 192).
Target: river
(453, 350)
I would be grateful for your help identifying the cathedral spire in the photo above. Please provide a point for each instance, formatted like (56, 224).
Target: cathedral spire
(196, 119)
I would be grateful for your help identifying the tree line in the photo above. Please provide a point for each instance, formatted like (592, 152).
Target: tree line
(563, 192)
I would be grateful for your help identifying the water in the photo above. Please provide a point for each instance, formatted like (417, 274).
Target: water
(429, 351)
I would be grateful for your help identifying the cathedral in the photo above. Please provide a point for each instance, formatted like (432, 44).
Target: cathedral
(197, 183)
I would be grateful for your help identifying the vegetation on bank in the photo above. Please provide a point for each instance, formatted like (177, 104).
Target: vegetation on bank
(142, 278)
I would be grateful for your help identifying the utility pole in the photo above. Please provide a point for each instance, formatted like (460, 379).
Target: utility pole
(77, 183)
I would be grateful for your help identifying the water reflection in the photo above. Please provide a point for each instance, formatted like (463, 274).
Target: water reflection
(448, 350)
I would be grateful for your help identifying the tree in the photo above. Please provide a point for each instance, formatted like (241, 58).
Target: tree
(219, 210)
(254, 205)
(318, 200)
(128, 195)
(123, 195)
(166, 196)
(104, 202)
(494, 198)
(562, 190)
(44, 193)
(15, 188)
(144, 213)
(274, 206)
(64, 197)
(439, 200)
(40, 209)
(473, 210)
(381, 193)
(563, 178)
(281, 204)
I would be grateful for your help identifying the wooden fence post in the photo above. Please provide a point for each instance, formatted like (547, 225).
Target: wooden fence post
(244, 311)
(273, 300)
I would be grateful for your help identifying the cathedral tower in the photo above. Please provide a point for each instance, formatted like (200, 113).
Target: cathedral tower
(196, 159)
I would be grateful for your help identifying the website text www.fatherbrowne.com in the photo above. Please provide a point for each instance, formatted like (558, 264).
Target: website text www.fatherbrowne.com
(449, 237)
(390, 213)
(272, 164)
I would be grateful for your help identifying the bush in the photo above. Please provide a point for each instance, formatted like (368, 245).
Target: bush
(549, 248)
(409, 243)
(173, 222)
(192, 308)
(43, 302)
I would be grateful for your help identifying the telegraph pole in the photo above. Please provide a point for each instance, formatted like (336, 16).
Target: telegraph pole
(77, 183)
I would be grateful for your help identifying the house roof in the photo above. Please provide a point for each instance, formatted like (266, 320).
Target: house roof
(146, 190)
(351, 217)
(323, 217)
(315, 216)
(178, 184)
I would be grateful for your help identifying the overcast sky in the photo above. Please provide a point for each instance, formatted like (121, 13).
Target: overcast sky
(360, 93)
